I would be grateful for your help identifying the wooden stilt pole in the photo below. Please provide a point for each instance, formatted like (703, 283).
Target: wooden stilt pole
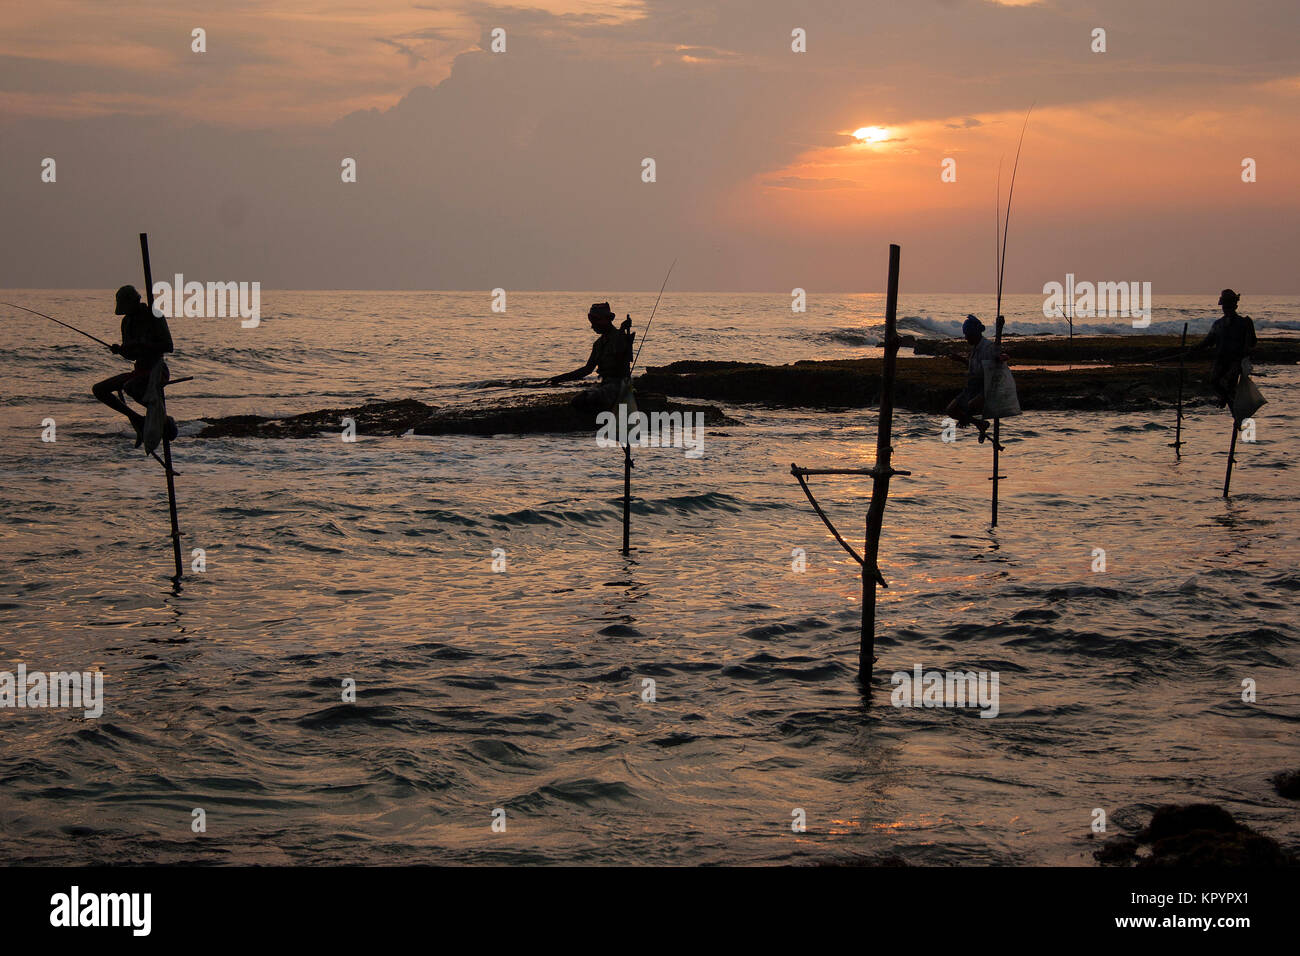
(997, 423)
(997, 429)
(167, 445)
(625, 408)
(881, 474)
(1177, 443)
(627, 498)
(1232, 456)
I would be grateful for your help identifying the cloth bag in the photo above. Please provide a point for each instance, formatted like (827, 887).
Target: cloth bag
(155, 418)
(1247, 400)
(1000, 398)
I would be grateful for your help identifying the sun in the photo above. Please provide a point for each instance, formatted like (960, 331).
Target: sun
(871, 134)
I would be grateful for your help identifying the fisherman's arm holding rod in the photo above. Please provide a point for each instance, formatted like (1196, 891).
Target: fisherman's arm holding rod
(610, 354)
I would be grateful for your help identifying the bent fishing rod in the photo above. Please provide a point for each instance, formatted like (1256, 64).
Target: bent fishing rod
(1000, 252)
(59, 322)
(175, 381)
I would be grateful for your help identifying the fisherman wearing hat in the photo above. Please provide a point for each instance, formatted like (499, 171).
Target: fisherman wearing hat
(145, 340)
(966, 406)
(611, 358)
(1233, 336)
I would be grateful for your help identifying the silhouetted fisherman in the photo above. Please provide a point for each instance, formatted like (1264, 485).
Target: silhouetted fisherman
(145, 340)
(968, 405)
(1233, 336)
(611, 358)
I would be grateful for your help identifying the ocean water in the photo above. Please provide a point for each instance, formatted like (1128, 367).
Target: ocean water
(522, 690)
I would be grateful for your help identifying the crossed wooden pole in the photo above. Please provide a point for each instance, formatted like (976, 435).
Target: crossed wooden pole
(880, 474)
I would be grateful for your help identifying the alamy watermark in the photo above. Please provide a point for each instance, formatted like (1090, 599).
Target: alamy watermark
(656, 430)
(946, 689)
(1082, 300)
(77, 909)
(39, 689)
(210, 300)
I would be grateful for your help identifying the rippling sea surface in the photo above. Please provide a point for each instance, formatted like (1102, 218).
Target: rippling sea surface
(373, 562)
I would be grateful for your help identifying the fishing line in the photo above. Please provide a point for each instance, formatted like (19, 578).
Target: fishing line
(646, 331)
(59, 322)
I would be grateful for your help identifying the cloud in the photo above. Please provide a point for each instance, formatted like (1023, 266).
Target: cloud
(803, 182)
(523, 169)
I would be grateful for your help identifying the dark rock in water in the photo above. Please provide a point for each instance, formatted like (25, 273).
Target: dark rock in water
(867, 860)
(924, 385)
(1119, 851)
(1146, 376)
(1199, 834)
(1175, 820)
(1147, 379)
(551, 414)
(1287, 784)
(377, 418)
(1113, 348)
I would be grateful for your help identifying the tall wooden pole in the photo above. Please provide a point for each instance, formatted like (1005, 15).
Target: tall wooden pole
(1232, 455)
(167, 445)
(1178, 427)
(997, 427)
(881, 474)
(627, 498)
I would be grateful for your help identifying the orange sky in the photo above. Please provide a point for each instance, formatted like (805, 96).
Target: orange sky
(527, 163)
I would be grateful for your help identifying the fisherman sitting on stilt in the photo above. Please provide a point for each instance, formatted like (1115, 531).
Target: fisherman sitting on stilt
(145, 339)
(611, 357)
(967, 406)
(1233, 336)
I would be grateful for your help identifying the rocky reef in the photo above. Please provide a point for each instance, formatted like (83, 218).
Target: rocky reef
(552, 413)
(1094, 373)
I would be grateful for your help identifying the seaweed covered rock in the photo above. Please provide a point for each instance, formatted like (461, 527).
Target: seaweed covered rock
(1121, 372)
(549, 414)
(1276, 350)
(922, 384)
(376, 418)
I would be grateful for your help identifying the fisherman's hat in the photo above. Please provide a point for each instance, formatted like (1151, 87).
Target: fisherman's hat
(127, 299)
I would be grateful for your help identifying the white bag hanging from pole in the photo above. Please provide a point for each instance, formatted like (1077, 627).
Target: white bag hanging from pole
(1000, 398)
(1247, 400)
(626, 396)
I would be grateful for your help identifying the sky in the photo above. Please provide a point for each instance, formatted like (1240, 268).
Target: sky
(523, 169)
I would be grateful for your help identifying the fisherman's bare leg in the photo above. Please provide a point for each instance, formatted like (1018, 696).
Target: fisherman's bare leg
(1230, 382)
(106, 390)
(956, 410)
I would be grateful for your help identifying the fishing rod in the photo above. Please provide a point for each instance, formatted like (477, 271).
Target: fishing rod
(997, 244)
(1006, 222)
(59, 322)
(646, 330)
(999, 322)
(627, 448)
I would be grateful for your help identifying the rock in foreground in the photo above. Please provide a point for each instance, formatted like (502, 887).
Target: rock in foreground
(1198, 834)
